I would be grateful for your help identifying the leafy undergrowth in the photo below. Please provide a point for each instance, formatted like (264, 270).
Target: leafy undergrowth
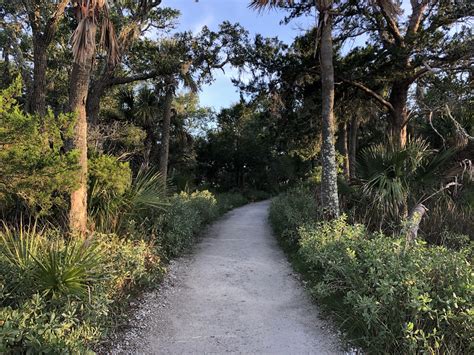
(388, 297)
(62, 295)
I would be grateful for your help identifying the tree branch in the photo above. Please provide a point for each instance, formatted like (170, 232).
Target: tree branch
(392, 25)
(52, 24)
(415, 19)
(130, 79)
(370, 92)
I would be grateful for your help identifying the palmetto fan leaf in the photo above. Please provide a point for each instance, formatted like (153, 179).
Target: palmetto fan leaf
(146, 106)
(390, 176)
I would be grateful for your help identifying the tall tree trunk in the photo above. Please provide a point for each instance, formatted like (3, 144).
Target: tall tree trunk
(354, 127)
(93, 103)
(399, 115)
(329, 196)
(38, 96)
(343, 148)
(165, 137)
(79, 86)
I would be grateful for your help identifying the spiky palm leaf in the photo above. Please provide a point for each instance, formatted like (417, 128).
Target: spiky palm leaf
(67, 269)
(18, 246)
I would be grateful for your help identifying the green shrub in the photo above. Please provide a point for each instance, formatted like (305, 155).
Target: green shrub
(183, 219)
(37, 328)
(128, 263)
(292, 209)
(390, 298)
(123, 205)
(108, 176)
(18, 250)
(35, 173)
(229, 200)
(396, 301)
(67, 268)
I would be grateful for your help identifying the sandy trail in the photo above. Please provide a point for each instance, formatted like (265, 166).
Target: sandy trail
(236, 293)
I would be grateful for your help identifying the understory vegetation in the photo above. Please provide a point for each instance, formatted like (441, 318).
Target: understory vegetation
(390, 295)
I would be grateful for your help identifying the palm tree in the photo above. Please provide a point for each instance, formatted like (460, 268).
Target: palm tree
(176, 66)
(87, 13)
(329, 194)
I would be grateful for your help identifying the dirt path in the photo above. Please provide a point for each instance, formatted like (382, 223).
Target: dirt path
(236, 293)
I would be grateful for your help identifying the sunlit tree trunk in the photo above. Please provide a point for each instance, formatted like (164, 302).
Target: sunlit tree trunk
(329, 194)
(165, 137)
(79, 85)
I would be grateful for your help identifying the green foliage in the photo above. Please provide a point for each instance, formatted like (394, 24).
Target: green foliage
(18, 250)
(35, 328)
(66, 269)
(183, 219)
(87, 280)
(229, 200)
(108, 176)
(390, 299)
(292, 209)
(392, 177)
(34, 170)
(118, 202)
(20, 247)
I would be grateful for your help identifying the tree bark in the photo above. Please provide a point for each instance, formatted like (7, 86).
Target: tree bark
(79, 86)
(329, 194)
(96, 91)
(165, 136)
(343, 148)
(354, 127)
(399, 114)
(38, 98)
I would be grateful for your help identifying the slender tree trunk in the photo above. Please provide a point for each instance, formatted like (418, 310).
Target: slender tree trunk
(399, 115)
(38, 97)
(354, 127)
(329, 195)
(165, 137)
(93, 103)
(79, 87)
(343, 148)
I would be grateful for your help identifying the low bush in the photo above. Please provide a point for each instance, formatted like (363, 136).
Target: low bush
(179, 224)
(389, 297)
(292, 209)
(228, 200)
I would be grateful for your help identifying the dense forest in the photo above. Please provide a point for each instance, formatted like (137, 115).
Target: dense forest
(110, 166)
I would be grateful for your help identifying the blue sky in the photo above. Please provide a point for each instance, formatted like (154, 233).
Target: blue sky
(195, 15)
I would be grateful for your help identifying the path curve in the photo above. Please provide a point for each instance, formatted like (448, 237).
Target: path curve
(236, 293)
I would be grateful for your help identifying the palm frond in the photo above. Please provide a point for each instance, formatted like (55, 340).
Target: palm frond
(262, 4)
